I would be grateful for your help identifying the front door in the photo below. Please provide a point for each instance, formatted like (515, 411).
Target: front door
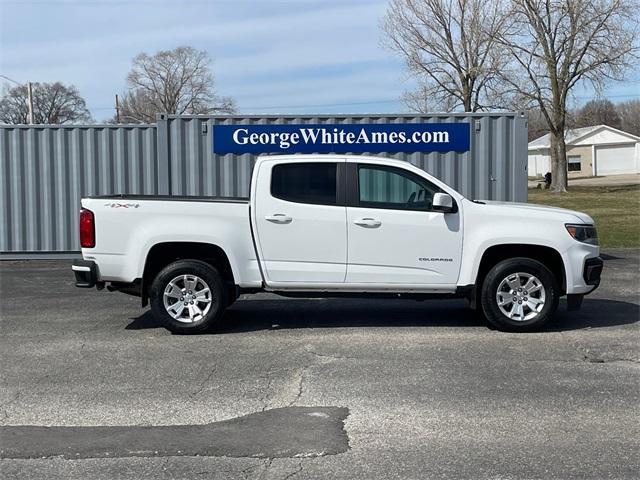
(394, 237)
(301, 223)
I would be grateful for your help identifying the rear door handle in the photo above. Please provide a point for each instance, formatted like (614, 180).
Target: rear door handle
(278, 218)
(368, 222)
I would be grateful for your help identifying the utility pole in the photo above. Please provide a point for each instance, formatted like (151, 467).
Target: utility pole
(117, 110)
(30, 94)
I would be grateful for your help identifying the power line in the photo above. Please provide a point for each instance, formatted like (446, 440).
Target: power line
(11, 80)
(373, 102)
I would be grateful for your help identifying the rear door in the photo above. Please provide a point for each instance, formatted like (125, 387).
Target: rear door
(394, 235)
(300, 222)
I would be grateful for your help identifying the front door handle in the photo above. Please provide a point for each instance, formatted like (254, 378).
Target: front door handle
(278, 218)
(368, 222)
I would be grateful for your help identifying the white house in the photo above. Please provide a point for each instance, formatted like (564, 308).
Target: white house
(597, 150)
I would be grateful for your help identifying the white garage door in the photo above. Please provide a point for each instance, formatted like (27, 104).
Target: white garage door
(538, 165)
(616, 159)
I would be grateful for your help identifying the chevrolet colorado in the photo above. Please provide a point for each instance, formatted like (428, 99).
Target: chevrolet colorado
(329, 225)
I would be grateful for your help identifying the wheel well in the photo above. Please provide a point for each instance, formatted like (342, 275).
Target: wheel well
(162, 254)
(545, 255)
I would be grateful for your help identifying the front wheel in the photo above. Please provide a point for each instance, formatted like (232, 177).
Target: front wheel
(519, 295)
(187, 296)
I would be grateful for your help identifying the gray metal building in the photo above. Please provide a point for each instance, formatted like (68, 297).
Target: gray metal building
(46, 169)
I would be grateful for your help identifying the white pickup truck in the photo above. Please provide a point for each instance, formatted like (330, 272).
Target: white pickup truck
(328, 225)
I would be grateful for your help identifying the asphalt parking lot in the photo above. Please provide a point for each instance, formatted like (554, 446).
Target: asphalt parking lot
(314, 388)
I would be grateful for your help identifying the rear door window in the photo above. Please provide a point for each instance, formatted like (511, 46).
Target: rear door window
(305, 183)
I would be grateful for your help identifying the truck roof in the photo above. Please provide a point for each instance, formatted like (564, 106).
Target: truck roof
(329, 156)
(380, 160)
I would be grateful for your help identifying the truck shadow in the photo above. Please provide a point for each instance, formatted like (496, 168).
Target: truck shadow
(273, 314)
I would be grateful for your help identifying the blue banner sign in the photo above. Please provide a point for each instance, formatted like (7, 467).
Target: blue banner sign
(341, 138)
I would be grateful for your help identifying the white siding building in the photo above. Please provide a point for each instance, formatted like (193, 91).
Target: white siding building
(591, 151)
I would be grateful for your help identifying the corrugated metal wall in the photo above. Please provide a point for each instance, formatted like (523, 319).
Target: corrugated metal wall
(45, 170)
(494, 168)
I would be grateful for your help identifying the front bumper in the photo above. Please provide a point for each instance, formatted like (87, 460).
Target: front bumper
(592, 271)
(86, 273)
(576, 260)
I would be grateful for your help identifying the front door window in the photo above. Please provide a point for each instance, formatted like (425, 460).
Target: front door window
(395, 189)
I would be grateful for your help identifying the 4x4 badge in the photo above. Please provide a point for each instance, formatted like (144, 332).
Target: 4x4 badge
(122, 205)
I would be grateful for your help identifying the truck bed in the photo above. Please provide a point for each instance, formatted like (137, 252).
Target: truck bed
(127, 226)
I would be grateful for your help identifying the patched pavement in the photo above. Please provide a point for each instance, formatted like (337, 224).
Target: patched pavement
(275, 433)
(314, 388)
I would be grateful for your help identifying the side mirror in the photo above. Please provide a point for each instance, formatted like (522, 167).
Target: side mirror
(442, 202)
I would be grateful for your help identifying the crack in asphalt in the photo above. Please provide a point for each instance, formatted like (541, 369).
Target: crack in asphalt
(199, 390)
(304, 370)
(266, 465)
(19, 393)
(294, 473)
(250, 468)
(265, 397)
(300, 386)
(303, 373)
(8, 403)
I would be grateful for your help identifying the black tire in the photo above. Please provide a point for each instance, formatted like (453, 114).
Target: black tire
(502, 271)
(203, 271)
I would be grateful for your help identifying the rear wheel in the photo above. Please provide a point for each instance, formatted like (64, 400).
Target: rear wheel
(188, 296)
(519, 295)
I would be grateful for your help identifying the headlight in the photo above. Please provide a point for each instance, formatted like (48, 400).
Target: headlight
(583, 233)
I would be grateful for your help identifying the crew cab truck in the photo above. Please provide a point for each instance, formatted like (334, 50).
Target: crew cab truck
(327, 225)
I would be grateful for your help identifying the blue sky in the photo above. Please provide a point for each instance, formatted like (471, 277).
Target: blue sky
(272, 56)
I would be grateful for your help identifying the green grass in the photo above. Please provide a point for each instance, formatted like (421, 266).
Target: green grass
(616, 210)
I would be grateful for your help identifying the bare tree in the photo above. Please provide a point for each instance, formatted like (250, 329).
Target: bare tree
(557, 44)
(629, 112)
(596, 112)
(177, 81)
(450, 46)
(537, 124)
(53, 103)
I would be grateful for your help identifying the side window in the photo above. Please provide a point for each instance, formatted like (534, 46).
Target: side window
(574, 163)
(305, 182)
(393, 188)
